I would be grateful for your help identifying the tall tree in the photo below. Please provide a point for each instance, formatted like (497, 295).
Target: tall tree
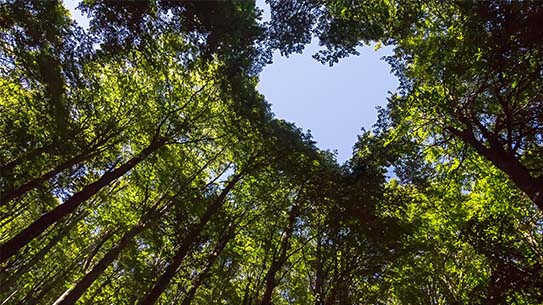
(471, 71)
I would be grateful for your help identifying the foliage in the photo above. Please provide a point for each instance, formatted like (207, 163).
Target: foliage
(139, 164)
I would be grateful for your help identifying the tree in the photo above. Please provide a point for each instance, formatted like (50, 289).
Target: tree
(141, 165)
(471, 71)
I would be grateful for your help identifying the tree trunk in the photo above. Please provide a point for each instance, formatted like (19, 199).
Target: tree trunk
(36, 182)
(319, 275)
(13, 245)
(4, 168)
(63, 274)
(508, 163)
(191, 237)
(15, 193)
(73, 294)
(278, 262)
(13, 214)
(247, 299)
(12, 280)
(211, 258)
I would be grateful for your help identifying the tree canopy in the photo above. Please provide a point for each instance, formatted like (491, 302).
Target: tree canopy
(139, 164)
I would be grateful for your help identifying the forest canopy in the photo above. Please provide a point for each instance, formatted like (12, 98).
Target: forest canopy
(139, 164)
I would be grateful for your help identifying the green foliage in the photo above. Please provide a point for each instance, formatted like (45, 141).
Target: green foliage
(146, 167)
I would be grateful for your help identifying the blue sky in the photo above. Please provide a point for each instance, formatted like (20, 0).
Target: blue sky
(333, 102)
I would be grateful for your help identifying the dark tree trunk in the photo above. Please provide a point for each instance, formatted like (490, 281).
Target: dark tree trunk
(247, 299)
(36, 182)
(41, 292)
(278, 261)
(63, 274)
(508, 163)
(73, 294)
(42, 289)
(211, 258)
(12, 280)
(319, 276)
(13, 214)
(186, 244)
(13, 245)
(5, 168)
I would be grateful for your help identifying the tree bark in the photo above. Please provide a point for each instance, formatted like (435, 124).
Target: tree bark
(13, 245)
(12, 280)
(508, 163)
(191, 237)
(211, 258)
(36, 182)
(278, 262)
(73, 294)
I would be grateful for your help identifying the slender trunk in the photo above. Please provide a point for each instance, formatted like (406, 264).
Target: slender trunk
(191, 237)
(247, 300)
(211, 258)
(62, 275)
(278, 262)
(331, 295)
(73, 294)
(4, 168)
(319, 276)
(95, 249)
(98, 290)
(41, 289)
(13, 245)
(12, 215)
(15, 193)
(508, 163)
(12, 280)
(9, 297)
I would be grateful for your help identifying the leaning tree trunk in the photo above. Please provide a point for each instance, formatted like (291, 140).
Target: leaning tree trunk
(6, 167)
(319, 274)
(20, 240)
(508, 163)
(191, 237)
(278, 262)
(17, 192)
(211, 258)
(73, 294)
(12, 280)
(42, 290)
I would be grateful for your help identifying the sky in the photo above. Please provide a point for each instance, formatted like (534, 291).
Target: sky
(334, 103)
